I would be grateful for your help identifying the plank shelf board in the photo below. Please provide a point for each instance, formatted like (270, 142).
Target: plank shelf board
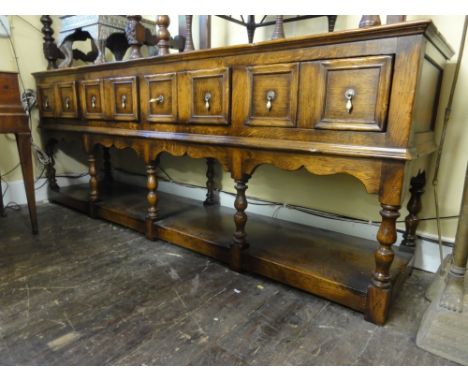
(329, 264)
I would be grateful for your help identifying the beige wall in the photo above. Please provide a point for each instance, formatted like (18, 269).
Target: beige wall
(337, 193)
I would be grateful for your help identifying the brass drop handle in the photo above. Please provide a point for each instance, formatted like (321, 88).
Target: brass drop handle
(46, 103)
(159, 99)
(207, 100)
(270, 97)
(67, 103)
(93, 102)
(124, 101)
(349, 94)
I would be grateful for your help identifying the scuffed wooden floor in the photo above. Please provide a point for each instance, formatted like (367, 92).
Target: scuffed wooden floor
(86, 292)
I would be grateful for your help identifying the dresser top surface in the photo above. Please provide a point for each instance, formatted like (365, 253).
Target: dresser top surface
(418, 27)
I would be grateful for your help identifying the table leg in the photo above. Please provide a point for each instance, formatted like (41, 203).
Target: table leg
(23, 141)
(152, 197)
(240, 219)
(210, 183)
(93, 184)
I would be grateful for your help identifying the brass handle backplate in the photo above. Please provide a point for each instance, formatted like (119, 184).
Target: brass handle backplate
(207, 100)
(124, 101)
(159, 99)
(93, 102)
(270, 97)
(46, 103)
(67, 103)
(349, 95)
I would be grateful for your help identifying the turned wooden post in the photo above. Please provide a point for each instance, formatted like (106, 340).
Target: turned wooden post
(369, 21)
(49, 48)
(379, 292)
(240, 219)
(210, 183)
(93, 184)
(50, 166)
(414, 207)
(135, 33)
(279, 29)
(163, 33)
(188, 34)
(152, 197)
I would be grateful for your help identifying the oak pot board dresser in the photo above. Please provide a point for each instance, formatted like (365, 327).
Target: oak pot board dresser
(360, 102)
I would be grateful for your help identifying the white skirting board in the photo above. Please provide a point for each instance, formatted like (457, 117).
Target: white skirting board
(427, 249)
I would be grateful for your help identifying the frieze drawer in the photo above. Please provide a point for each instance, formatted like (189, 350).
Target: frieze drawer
(272, 95)
(205, 96)
(347, 94)
(159, 98)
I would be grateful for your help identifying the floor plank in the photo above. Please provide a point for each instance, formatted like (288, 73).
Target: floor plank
(87, 292)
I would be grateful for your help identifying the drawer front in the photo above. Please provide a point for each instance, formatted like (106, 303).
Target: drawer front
(272, 95)
(124, 98)
(92, 99)
(208, 96)
(159, 98)
(349, 94)
(47, 103)
(67, 100)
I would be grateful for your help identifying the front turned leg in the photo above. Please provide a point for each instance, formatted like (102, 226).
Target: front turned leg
(414, 207)
(379, 291)
(240, 219)
(210, 183)
(152, 197)
(93, 185)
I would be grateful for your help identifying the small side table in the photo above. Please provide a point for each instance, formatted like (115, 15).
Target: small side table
(14, 120)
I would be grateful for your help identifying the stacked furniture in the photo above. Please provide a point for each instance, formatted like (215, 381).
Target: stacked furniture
(360, 102)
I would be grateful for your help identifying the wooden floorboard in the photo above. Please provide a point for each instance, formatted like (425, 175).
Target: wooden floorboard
(68, 297)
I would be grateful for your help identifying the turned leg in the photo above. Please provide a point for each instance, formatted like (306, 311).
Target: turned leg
(107, 169)
(240, 219)
(379, 292)
(152, 197)
(134, 32)
(414, 207)
(210, 183)
(50, 167)
(93, 185)
(23, 142)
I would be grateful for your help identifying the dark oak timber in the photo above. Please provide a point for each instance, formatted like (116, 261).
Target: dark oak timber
(340, 102)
